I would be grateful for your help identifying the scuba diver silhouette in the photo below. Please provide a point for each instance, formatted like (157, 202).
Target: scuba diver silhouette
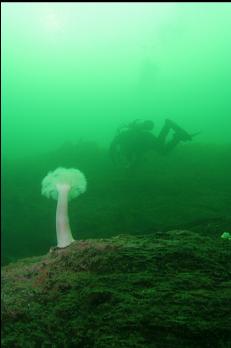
(134, 140)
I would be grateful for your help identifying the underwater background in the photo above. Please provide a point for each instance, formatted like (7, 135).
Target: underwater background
(72, 73)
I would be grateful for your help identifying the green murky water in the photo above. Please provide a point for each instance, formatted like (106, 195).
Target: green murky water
(71, 74)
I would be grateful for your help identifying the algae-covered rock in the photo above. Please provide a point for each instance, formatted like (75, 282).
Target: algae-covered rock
(171, 289)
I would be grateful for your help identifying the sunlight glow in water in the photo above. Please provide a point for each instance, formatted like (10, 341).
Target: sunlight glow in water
(52, 23)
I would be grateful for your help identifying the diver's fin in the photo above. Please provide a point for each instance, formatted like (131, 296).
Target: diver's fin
(180, 132)
(190, 136)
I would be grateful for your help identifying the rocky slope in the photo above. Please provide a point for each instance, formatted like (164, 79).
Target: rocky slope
(171, 289)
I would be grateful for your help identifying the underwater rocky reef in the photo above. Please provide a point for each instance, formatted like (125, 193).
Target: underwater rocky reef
(166, 289)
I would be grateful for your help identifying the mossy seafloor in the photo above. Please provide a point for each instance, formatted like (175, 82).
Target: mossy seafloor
(170, 289)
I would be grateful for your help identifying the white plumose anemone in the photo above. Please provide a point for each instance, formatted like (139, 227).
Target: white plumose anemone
(63, 185)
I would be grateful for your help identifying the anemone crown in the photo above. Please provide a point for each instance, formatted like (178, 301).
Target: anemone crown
(71, 176)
